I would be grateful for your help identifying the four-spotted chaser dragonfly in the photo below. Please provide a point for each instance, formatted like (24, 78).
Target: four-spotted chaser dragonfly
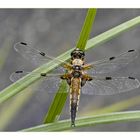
(82, 78)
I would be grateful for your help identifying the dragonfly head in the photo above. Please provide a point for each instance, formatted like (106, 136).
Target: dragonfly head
(77, 54)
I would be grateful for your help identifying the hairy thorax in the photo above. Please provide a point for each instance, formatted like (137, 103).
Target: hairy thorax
(77, 62)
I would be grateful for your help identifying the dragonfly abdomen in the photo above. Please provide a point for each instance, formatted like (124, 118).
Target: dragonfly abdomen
(74, 98)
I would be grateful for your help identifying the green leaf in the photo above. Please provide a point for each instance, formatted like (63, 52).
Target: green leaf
(86, 29)
(23, 83)
(12, 108)
(88, 121)
(57, 104)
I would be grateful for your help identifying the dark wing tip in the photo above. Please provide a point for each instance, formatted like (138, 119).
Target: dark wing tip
(131, 78)
(19, 71)
(108, 78)
(111, 58)
(42, 53)
(23, 43)
(131, 50)
(43, 74)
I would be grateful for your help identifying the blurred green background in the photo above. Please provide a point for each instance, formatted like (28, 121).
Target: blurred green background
(54, 31)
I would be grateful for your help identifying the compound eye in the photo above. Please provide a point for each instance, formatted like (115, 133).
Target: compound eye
(74, 56)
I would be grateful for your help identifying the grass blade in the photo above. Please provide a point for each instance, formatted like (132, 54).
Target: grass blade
(10, 110)
(57, 104)
(88, 121)
(110, 34)
(119, 106)
(21, 84)
(86, 29)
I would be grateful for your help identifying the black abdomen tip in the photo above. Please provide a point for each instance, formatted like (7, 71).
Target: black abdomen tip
(72, 124)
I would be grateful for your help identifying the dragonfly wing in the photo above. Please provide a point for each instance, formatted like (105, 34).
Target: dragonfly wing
(35, 56)
(113, 63)
(21, 73)
(110, 85)
(32, 54)
(48, 83)
(18, 75)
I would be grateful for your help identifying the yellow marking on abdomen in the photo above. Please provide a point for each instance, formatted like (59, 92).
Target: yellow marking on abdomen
(75, 90)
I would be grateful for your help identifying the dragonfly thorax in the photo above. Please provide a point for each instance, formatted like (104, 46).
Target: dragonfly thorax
(77, 62)
(76, 74)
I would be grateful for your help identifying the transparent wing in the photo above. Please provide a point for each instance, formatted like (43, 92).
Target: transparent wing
(18, 75)
(110, 85)
(49, 83)
(35, 56)
(21, 73)
(113, 63)
(32, 54)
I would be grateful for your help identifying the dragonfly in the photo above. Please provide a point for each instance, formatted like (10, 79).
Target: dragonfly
(81, 78)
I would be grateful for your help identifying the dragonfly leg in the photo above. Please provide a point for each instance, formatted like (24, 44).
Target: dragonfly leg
(66, 77)
(87, 67)
(67, 66)
(85, 78)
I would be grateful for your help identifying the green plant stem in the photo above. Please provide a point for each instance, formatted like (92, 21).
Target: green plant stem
(88, 121)
(57, 104)
(86, 29)
(98, 40)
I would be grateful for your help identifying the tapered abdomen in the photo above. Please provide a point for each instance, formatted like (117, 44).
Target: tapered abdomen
(74, 98)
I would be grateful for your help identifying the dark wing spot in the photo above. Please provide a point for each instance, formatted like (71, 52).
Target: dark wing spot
(131, 78)
(108, 78)
(43, 74)
(42, 53)
(19, 71)
(131, 50)
(23, 43)
(111, 58)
